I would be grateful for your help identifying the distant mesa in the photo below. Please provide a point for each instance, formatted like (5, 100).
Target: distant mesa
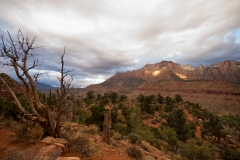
(169, 71)
(211, 86)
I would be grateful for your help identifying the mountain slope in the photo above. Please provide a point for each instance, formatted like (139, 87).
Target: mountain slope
(215, 87)
(166, 70)
(43, 86)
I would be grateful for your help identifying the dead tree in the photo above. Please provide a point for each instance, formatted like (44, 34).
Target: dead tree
(107, 127)
(20, 54)
(65, 83)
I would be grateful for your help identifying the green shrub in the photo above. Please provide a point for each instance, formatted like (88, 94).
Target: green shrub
(178, 98)
(135, 152)
(192, 151)
(156, 132)
(134, 138)
(230, 154)
(169, 135)
(149, 136)
(121, 128)
(97, 116)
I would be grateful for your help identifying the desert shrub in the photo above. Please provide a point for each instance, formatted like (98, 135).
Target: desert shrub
(168, 100)
(93, 129)
(147, 135)
(177, 157)
(68, 132)
(67, 126)
(7, 108)
(121, 128)
(134, 138)
(20, 129)
(8, 122)
(135, 152)
(146, 146)
(157, 107)
(230, 154)
(169, 108)
(164, 116)
(156, 132)
(192, 150)
(168, 134)
(36, 133)
(97, 116)
(117, 136)
(178, 98)
(126, 110)
(120, 119)
(82, 145)
(82, 115)
(114, 115)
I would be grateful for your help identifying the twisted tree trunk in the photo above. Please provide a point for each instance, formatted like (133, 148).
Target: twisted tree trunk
(19, 53)
(107, 127)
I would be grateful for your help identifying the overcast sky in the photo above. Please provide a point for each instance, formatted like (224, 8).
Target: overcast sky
(103, 37)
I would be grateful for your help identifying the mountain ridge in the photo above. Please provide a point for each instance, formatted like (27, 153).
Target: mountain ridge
(215, 87)
(167, 70)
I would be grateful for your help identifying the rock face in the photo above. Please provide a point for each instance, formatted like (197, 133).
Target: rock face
(227, 70)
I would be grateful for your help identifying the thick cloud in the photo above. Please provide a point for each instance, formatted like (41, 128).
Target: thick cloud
(104, 37)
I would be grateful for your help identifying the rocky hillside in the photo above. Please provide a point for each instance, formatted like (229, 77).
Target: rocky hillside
(166, 70)
(216, 87)
(11, 82)
(227, 70)
(16, 87)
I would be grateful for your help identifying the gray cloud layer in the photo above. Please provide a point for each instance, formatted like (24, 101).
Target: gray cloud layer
(104, 37)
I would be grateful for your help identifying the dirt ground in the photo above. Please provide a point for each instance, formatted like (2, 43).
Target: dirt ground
(7, 138)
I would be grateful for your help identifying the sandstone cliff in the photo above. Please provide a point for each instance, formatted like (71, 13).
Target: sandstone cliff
(227, 70)
(215, 87)
(166, 70)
